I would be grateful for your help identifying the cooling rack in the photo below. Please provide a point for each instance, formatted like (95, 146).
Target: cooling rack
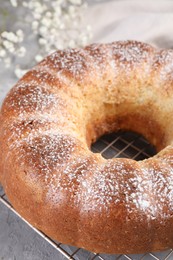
(122, 144)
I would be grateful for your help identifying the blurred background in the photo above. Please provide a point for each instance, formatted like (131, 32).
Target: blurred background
(29, 31)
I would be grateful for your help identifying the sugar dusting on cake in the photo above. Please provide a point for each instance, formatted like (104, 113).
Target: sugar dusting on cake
(29, 97)
(71, 62)
(131, 52)
(163, 62)
(113, 184)
(53, 154)
(139, 193)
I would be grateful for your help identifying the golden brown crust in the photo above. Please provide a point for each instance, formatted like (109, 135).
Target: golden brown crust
(50, 118)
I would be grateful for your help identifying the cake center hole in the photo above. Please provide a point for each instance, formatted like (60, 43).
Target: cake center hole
(123, 145)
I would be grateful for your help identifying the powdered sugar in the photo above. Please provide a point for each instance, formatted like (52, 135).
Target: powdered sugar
(29, 97)
(72, 62)
(163, 62)
(130, 52)
(54, 153)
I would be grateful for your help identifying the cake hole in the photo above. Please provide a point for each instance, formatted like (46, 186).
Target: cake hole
(123, 145)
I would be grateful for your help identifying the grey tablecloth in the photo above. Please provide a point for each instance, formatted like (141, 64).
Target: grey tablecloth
(142, 20)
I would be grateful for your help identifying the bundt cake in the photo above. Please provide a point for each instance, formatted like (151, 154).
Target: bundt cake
(48, 122)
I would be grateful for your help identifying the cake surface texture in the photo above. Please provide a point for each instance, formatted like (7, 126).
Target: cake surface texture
(49, 120)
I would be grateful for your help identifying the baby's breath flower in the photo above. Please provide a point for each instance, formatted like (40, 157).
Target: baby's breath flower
(75, 2)
(7, 61)
(46, 21)
(7, 44)
(14, 3)
(38, 58)
(48, 14)
(21, 51)
(55, 24)
(57, 9)
(25, 4)
(20, 35)
(35, 25)
(42, 41)
(37, 16)
(71, 43)
(3, 53)
(10, 36)
(19, 72)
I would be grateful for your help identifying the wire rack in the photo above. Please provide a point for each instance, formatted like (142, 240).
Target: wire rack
(122, 144)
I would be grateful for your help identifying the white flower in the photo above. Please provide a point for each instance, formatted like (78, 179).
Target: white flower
(3, 53)
(7, 44)
(19, 72)
(35, 25)
(7, 62)
(75, 2)
(14, 3)
(21, 51)
(55, 24)
(46, 21)
(71, 43)
(72, 10)
(13, 37)
(57, 9)
(10, 36)
(20, 35)
(25, 4)
(42, 41)
(48, 14)
(37, 16)
(38, 58)
(43, 30)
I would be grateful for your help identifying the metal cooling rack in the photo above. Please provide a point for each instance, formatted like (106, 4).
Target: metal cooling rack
(128, 145)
